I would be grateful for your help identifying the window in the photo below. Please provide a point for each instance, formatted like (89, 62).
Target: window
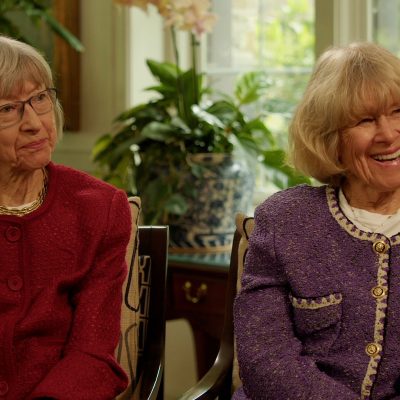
(274, 37)
(386, 24)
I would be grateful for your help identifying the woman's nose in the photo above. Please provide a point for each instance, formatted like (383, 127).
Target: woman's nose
(30, 120)
(389, 128)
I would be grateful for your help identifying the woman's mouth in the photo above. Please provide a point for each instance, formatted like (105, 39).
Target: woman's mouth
(387, 157)
(37, 144)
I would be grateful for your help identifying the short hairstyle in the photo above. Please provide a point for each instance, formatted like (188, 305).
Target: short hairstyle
(344, 83)
(20, 62)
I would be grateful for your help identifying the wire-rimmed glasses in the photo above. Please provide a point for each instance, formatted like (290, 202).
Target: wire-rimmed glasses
(42, 103)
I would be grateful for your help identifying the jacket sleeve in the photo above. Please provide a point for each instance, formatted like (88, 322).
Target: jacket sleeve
(88, 369)
(269, 354)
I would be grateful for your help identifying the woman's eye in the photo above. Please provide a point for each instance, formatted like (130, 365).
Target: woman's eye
(396, 112)
(8, 108)
(366, 121)
(40, 97)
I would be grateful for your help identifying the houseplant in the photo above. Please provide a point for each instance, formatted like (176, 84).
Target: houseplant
(156, 146)
(37, 11)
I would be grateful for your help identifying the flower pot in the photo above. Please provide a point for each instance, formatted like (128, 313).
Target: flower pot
(225, 188)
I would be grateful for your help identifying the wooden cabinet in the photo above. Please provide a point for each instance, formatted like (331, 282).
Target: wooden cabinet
(196, 292)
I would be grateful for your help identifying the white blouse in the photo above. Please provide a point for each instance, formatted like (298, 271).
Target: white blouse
(367, 221)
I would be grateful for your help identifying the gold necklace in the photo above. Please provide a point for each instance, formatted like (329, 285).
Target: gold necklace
(19, 212)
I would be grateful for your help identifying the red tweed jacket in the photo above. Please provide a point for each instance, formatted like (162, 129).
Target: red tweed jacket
(61, 273)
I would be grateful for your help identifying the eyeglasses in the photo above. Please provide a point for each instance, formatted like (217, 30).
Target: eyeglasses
(42, 103)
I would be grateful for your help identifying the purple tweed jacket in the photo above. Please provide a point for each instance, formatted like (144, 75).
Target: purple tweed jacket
(318, 316)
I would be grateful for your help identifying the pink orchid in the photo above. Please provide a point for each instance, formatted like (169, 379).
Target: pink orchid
(197, 22)
(191, 15)
(187, 15)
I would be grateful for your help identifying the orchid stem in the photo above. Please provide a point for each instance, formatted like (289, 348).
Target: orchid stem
(179, 87)
(195, 45)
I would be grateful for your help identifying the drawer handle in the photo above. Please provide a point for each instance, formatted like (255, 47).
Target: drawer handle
(201, 292)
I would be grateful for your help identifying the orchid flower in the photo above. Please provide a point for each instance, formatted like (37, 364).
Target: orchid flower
(193, 16)
(187, 15)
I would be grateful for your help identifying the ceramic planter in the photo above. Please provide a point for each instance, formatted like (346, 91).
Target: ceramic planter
(224, 189)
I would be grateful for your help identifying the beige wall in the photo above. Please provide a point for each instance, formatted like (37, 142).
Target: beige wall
(117, 42)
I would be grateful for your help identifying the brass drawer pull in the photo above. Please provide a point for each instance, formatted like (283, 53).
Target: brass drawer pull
(201, 292)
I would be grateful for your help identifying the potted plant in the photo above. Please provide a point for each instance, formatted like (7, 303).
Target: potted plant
(189, 149)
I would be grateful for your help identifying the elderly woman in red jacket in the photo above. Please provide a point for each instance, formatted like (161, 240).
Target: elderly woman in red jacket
(63, 236)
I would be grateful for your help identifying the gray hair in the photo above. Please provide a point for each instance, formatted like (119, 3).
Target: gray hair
(20, 62)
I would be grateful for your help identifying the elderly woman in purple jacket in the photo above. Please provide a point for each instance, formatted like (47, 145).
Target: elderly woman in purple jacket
(318, 316)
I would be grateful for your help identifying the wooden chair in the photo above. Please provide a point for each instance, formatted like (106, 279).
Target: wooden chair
(142, 343)
(221, 379)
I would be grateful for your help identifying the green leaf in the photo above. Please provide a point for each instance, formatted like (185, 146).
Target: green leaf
(249, 87)
(165, 72)
(122, 149)
(59, 29)
(187, 87)
(274, 158)
(101, 144)
(259, 130)
(157, 131)
(176, 204)
(248, 143)
(10, 29)
(148, 112)
(207, 117)
(167, 91)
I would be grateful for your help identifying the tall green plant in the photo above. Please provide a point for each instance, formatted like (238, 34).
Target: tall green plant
(147, 154)
(36, 12)
(149, 151)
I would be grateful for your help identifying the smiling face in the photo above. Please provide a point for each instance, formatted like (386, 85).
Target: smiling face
(370, 152)
(28, 144)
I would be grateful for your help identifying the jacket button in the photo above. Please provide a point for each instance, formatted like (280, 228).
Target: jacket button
(380, 246)
(15, 283)
(13, 233)
(378, 292)
(373, 349)
(3, 388)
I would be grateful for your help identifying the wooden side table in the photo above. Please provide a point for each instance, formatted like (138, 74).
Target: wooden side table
(196, 292)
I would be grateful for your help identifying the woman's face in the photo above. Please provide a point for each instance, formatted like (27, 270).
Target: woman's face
(370, 151)
(29, 143)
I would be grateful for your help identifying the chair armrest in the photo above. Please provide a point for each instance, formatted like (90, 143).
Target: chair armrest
(217, 382)
(152, 373)
(217, 378)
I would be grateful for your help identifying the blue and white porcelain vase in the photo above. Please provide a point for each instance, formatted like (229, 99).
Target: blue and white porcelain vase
(224, 188)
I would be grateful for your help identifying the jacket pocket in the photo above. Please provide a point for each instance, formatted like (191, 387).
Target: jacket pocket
(317, 321)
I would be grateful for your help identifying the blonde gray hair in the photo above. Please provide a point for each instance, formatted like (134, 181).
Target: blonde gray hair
(20, 62)
(344, 83)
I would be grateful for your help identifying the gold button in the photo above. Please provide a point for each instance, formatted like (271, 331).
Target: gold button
(380, 246)
(373, 349)
(378, 291)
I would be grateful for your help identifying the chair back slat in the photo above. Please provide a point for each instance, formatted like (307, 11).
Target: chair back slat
(141, 348)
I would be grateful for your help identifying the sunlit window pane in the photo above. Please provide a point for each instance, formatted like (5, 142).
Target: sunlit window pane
(275, 37)
(272, 36)
(386, 24)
